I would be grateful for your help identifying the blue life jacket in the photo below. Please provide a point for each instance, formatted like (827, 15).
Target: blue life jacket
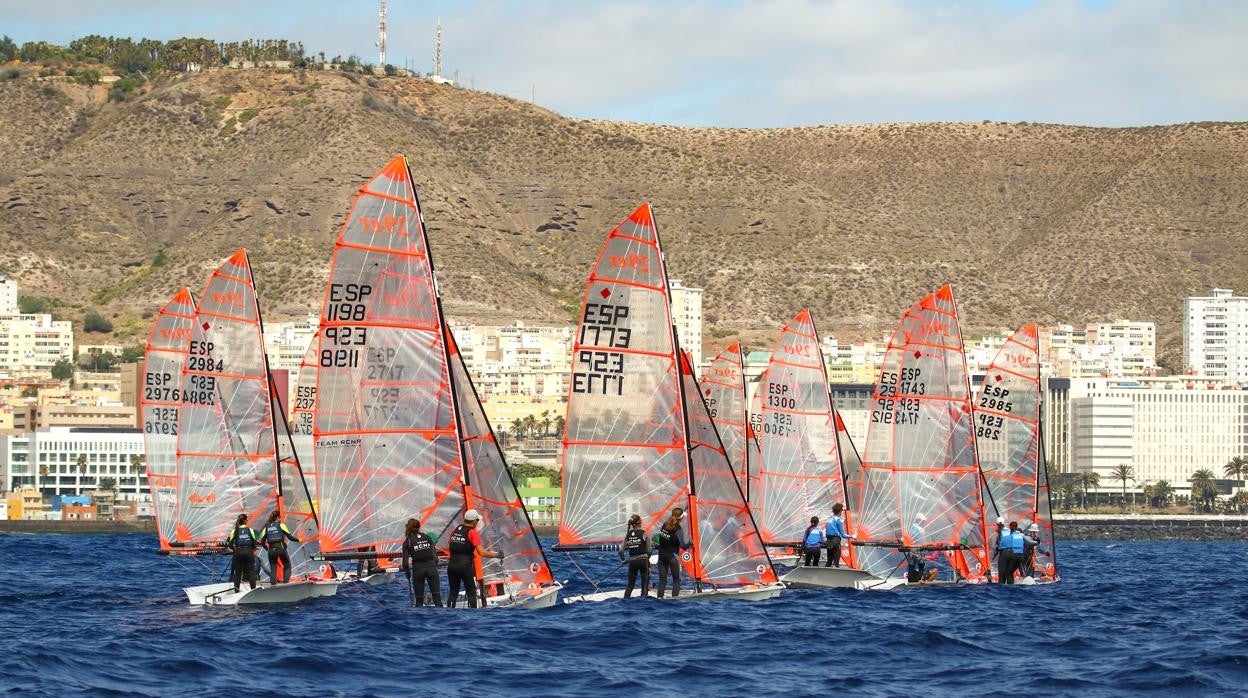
(1003, 540)
(1016, 543)
(273, 533)
(243, 537)
(812, 538)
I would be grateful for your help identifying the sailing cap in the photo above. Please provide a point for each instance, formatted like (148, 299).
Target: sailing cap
(472, 515)
(1034, 527)
(1001, 520)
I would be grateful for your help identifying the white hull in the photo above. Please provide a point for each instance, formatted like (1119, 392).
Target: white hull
(752, 593)
(222, 594)
(786, 560)
(827, 578)
(545, 597)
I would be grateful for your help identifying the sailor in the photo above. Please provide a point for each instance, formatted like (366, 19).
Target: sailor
(636, 551)
(671, 541)
(1001, 551)
(420, 563)
(812, 542)
(835, 533)
(465, 545)
(275, 537)
(1008, 553)
(1018, 543)
(243, 542)
(1027, 565)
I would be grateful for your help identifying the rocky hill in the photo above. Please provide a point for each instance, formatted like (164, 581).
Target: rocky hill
(1028, 221)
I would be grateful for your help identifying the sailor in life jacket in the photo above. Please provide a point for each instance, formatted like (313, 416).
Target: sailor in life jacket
(420, 563)
(636, 551)
(275, 536)
(812, 542)
(465, 545)
(243, 542)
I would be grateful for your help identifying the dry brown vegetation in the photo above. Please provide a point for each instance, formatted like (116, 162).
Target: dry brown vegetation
(1028, 221)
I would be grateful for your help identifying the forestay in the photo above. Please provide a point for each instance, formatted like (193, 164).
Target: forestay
(800, 473)
(921, 484)
(161, 405)
(624, 443)
(226, 452)
(384, 423)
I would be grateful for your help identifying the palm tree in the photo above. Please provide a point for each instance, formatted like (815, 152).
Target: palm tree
(544, 423)
(1204, 488)
(560, 422)
(1161, 493)
(1122, 473)
(1236, 468)
(517, 429)
(1086, 480)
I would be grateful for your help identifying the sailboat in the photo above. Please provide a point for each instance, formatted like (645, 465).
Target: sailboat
(639, 438)
(227, 457)
(920, 492)
(1007, 431)
(801, 472)
(397, 429)
(723, 388)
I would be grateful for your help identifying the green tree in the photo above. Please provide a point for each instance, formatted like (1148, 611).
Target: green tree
(94, 322)
(1122, 473)
(108, 483)
(136, 465)
(88, 76)
(8, 49)
(559, 423)
(63, 370)
(544, 423)
(1160, 494)
(517, 429)
(1236, 468)
(1204, 488)
(33, 305)
(81, 462)
(1086, 480)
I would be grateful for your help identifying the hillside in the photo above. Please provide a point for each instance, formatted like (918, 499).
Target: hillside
(1029, 222)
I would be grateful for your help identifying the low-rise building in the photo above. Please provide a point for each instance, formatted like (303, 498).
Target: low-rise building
(541, 499)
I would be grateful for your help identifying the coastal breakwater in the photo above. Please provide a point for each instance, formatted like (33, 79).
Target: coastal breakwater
(1212, 527)
(36, 526)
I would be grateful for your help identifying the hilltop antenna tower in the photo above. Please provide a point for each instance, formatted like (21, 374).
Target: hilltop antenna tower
(437, 50)
(381, 35)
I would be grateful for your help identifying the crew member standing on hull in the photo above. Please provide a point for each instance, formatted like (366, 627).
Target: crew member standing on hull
(835, 533)
(1027, 565)
(242, 541)
(420, 563)
(812, 542)
(465, 545)
(636, 550)
(1018, 543)
(1002, 552)
(275, 536)
(671, 541)
(1007, 561)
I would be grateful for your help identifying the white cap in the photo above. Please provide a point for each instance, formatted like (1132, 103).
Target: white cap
(1034, 527)
(919, 518)
(1001, 520)
(472, 515)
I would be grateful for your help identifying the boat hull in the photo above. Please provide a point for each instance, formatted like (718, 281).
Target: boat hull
(752, 593)
(222, 594)
(545, 597)
(827, 578)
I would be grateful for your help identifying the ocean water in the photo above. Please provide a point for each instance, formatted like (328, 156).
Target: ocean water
(104, 615)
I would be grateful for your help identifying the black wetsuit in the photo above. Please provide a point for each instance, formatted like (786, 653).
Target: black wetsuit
(670, 544)
(461, 568)
(243, 541)
(275, 535)
(637, 549)
(420, 560)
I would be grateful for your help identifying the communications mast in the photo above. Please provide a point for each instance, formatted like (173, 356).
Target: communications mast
(381, 35)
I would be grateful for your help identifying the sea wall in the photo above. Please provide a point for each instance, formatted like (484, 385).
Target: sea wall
(1172, 527)
(19, 526)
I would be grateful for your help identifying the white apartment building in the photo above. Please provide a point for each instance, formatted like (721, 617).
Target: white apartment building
(687, 315)
(1215, 335)
(34, 342)
(48, 461)
(1122, 348)
(8, 296)
(286, 343)
(517, 359)
(1164, 428)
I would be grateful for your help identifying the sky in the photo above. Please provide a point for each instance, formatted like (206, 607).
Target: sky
(754, 63)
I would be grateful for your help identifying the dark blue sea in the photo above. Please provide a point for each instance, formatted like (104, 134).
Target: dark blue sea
(104, 615)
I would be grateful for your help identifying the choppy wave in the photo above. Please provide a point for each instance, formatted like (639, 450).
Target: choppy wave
(104, 615)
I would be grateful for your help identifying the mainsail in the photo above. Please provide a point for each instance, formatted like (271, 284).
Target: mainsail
(723, 387)
(383, 423)
(226, 457)
(1007, 431)
(920, 480)
(489, 488)
(800, 473)
(727, 548)
(161, 405)
(624, 448)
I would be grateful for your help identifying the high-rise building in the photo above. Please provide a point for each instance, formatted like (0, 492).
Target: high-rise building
(8, 296)
(687, 314)
(34, 342)
(1118, 349)
(75, 460)
(1215, 335)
